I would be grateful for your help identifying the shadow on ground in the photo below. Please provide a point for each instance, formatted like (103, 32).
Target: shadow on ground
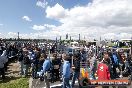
(8, 79)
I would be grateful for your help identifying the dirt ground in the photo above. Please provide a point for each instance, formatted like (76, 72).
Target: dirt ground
(13, 70)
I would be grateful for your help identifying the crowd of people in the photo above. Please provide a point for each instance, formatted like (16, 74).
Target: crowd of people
(40, 61)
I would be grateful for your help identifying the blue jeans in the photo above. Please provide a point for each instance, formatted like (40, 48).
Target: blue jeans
(34, 70)
(2, 72)
(93, 73)
(25, 69)
(66, 83)
(21, 67)
(47, 84)
(75, 76)
(126, 64)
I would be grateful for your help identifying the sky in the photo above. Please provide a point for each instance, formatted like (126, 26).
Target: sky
(48, 19)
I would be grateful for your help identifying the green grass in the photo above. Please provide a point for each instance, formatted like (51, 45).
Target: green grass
(15, 83)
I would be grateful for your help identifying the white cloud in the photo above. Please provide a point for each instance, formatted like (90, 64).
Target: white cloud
(38, 27)
(40, 35)
(49, 26)
(1, 24)
(43, 27)
(56, 12)
(42, 4)
(116, 36)
(26, 18)
(110, 19)
(11, 35)
(107, 18)
(1, 35)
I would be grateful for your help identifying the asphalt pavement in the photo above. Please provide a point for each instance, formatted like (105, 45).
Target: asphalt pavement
(36, 83)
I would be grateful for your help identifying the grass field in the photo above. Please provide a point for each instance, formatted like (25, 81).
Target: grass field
(15, 83)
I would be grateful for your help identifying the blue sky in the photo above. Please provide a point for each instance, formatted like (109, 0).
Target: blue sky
(12, 11)
(110, 19)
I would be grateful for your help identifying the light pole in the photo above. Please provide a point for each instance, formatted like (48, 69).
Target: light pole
(18, 35)
(79, 37)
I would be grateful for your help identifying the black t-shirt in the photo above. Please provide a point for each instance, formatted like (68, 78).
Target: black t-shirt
(20, 56)
(56, 62)
(26, 60)
(77, 65)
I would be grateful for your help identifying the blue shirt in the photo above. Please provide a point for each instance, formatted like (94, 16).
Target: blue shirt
(66, 69)
(46, 65)
(3, 59)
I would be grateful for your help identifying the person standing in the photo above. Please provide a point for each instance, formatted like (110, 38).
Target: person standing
(4, 56)
(26, 62)
(41, 61)
(83, 55)
(46, 68)
(20, 59)
(115, 61)
(35, 61)
(76, 69)
(103, 72)
(2, 69)
(56, 66)
(93, 65)
(66, 72)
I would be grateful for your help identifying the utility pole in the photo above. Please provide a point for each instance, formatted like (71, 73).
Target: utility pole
(18, 35)
(79, 37)
(84, 37)
(66, 36)
(100, 38)
(56, 39)
(60, 38)
(131, 47)
(70, 38)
